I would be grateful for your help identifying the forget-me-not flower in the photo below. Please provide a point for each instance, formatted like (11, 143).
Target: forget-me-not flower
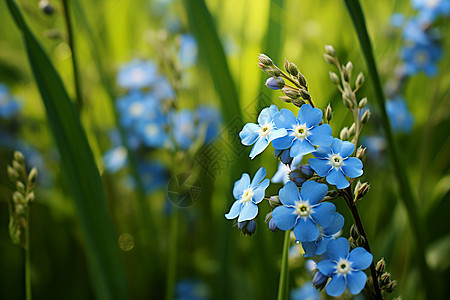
(429, 10)
(210, 118)
(319, 246)
(302, 211)
(263, 133)
(421, 57)
(344, 268)
(8, 105)
(135, 106)
(115, 159)
(334, 163)
(188, 50)
(401, 119)
(137, 74)
(303, 132)
(248, 195)
(305, 292)
(282, 174)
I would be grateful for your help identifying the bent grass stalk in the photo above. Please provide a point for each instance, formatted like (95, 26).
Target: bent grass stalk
(283, 286)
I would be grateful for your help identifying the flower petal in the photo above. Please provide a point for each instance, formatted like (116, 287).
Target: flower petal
(283, 142)
(266, 115)
(260, 191)
(336, 286)
(335, 226)
(352, 167)
(356, 281)
(306, 230)
(326, 267)
(337, 178)
(323, 152)
(347, 149)
(320, 166)
(284, 119)
(241, 185)
(321, 135)
(313, 191)
(289, 194)
(309, 248)
(309, 115)
(284, 218)
(259, 176)
(276, 133)
(361, 258)
(338, 248)
(234, 210)
(323, 213)
(249, 134)
(249, 212)
(322, 245)
(301, 147)
(260, 145)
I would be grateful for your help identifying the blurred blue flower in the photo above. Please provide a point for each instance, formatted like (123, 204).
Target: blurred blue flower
(137, 74)
(344, 268)
(115, 159)
(414, 32)
(191, 289)
(375, 146)
(136, 106)
(9, 106)
(263, 133)
(183, 128)
(418, 57)
(305, 292)
(334, 163)
(248, 195)
(430, 10)
(154, 175)
(396, 20)
(282, 174)
(188, 50)
(401, 119)
(302, 211)
(163, 90)
(153, 131)
(210, 118)
(319, 246)
(303, 132)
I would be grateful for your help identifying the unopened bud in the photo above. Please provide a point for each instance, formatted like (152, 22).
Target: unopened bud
(30, 197)
(329, 59)
(305, 94)
(346, 74)
(329, 113)
(272, 225)
(274, 201)
(272, 71)
(19, 209)
(285, 99)
(250, 228)
(275, 83)
(334, 78)
(344, 134)
(320, 280)
(20, 187)
(366, 116)
(379, 268)
(18, 198)
(359, 80)
(241, 225)
(330, 50)
(347, 101)
(17, 166)
(391, 286)
(352, 129)
(385, 278)
(32, 176)
(291, 93)
(302, 80)
(18, 156)
(362, 191)
(291, 68)
(298, 102)
(362, 103)
(265, 60)
(12, 174)
(349, 67)
(360, 152)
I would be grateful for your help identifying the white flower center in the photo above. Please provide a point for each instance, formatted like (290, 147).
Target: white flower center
(187, 129)
(151, 130)
(136, 109)
(120, 153)
(432, 3)
(343, 266)
(247, 195)
(421, 58)
(302, 208)
(336, 160)
(265, 129)
(300, 131)
(138, 74)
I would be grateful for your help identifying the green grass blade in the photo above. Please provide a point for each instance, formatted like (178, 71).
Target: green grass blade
(79, 167)
(397, 160)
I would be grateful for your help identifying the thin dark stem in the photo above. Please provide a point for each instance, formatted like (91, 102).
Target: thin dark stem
(70, 40)
(348, 196)
(27, 258)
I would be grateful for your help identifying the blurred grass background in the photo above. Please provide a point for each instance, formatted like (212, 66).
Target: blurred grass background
(210, 248)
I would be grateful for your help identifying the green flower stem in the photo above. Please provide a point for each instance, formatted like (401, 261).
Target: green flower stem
(283, 286)
(27, 258)
(418, 226)
(172, 262)
(70, 40)
(348, 196)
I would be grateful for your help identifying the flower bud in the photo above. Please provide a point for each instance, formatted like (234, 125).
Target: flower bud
(291, 93)
(272, 71)
(18, 156)
(297, 178)
(359, 80)
(360, 152)
(362, 103)
(18, 198)
(265, 60)
(320, 280)
(272, 225)
(298, 102)
(354, 233)
(241, 225)
(379, 268)
(12, 174)
(250, 228)
(274, 201)
(366, 116)
(385, 279)
(349, 67)
(329, 59)
(307, 171)
(361, 191)
(20, 187)
(330, 50)
(305, 94)
(329, 113)
(391, 286)
(351, 130)
(284, 156)
(347, 100)
(302, 80)
(30, 197)
(291, 68)
(344, 134)
(285, 99)
(334, 78)
(17, 166)
(32, 176)
(275, 83)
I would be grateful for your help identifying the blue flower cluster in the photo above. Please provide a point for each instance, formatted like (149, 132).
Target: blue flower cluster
(300, 205)
(9, 106)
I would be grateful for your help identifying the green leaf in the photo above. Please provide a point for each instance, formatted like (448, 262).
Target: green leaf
(79, 168)
(396, 159)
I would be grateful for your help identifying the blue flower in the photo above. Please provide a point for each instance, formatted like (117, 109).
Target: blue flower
(344, 268)
(8, 105)
(396, 20)
(334, 163)
(415, 33)
(183, 128)
(191, 289)
(302, 211)
(275, 83)
(137, 74)
(210, 118)
(399, 115)
(429, 10)
(188, 50)
(419, 57)
(319, 246)
(163, 90)
(152, 131)
(305, 292)
(248, 195)
(263, 133)
(135, 106)
(282, 174)
(303, 132)
(115, 159)
(375, 146)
